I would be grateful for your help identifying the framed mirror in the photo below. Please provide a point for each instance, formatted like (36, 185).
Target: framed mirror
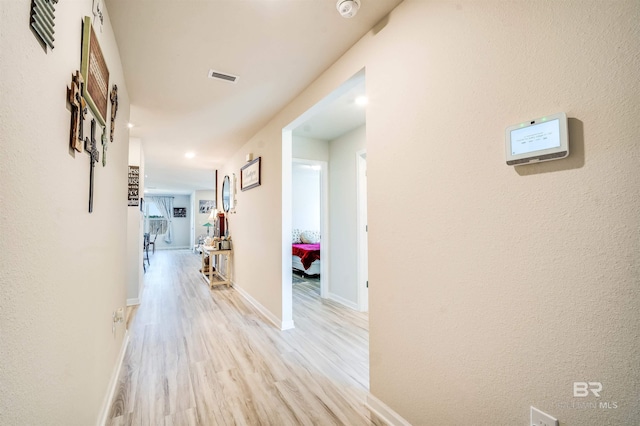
(226, 194)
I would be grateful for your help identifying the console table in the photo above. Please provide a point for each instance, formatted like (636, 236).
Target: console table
(215, 277)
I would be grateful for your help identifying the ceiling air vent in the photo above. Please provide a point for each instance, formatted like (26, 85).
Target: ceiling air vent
(222, 76)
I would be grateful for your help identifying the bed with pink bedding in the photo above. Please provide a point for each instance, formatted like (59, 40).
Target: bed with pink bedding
(306, 258)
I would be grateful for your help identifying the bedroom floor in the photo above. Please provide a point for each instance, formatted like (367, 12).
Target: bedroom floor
(206, 357)
(308, 283)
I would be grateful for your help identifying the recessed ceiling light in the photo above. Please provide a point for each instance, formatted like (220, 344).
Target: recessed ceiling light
(362, 100)
(190, 154)
(130, 125)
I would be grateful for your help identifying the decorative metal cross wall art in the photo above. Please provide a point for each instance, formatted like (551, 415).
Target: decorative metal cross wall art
(94, 156)
(78, 111)
(114, 109)
(104, 146)
(43, 20)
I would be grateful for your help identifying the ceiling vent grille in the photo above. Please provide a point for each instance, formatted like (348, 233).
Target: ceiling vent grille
(222, 76)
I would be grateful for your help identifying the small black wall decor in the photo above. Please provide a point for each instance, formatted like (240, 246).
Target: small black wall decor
(179, 212)
(134, 186)
(43, 20)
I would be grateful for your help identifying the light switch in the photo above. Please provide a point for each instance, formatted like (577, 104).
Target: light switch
(538, 418)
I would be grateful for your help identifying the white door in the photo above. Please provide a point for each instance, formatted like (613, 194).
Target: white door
(363, 229)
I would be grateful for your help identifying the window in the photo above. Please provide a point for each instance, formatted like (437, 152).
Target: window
(156, 222)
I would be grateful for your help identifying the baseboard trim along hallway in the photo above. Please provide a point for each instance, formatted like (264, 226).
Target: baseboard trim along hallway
(113, 381)
(282, 325)
(385, 413)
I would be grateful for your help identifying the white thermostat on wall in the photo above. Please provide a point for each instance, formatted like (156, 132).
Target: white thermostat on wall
(542, 139)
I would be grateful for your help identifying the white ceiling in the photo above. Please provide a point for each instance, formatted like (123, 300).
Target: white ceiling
(276, 47)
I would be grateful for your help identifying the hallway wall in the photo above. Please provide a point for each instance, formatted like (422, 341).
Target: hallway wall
(64, 271)
(496, 287)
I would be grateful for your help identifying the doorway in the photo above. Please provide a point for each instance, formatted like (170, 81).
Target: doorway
(310, 188)
(340, 113)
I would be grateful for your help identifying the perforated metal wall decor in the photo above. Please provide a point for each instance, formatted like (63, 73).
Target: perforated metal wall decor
(43, 20)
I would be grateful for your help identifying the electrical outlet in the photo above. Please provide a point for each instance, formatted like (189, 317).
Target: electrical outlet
(538, 418)
(120, 315)
(118, 318)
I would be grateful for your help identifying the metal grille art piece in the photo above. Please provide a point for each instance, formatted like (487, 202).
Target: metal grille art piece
(43, 20)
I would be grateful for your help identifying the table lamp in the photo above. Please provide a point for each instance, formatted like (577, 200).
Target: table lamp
(208, 225)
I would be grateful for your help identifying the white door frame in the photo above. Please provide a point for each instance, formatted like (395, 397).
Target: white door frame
(362, 235)
(287, 278)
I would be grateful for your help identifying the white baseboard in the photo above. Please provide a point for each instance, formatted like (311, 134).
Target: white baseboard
(133, 302)
(341, 300)
(282, 325)
(115, 374)
(383, 411)
(287, 325)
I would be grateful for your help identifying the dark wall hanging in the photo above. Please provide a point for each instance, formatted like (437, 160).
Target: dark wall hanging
(179, 212)
(78, 111)
(91, 146)
(114, 109)
(43, 20)
(134, 185)
(95, 73)
(103, 139)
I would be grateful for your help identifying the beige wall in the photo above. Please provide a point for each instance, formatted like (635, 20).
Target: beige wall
(310, 148)
(492, 288)
(64, 271)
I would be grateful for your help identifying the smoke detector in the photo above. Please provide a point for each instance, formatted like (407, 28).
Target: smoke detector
(348, 8)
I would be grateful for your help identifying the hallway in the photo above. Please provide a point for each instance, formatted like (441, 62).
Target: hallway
(206, 357)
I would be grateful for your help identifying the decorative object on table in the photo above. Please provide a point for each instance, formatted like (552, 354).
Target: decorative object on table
(206, 206)
(134, 186)
(95, 73)
(223, 223)
(43, 20)
(208, 225)
(94, 157)
(78, 111)
(104, 146)
(250, 175)
(225, 243)
(179, 212)
(213, 221)
(114, 109)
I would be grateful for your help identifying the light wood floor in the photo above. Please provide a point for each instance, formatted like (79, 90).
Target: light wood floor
(206, 357)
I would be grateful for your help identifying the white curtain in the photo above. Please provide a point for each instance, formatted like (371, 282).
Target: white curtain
(165, 205)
